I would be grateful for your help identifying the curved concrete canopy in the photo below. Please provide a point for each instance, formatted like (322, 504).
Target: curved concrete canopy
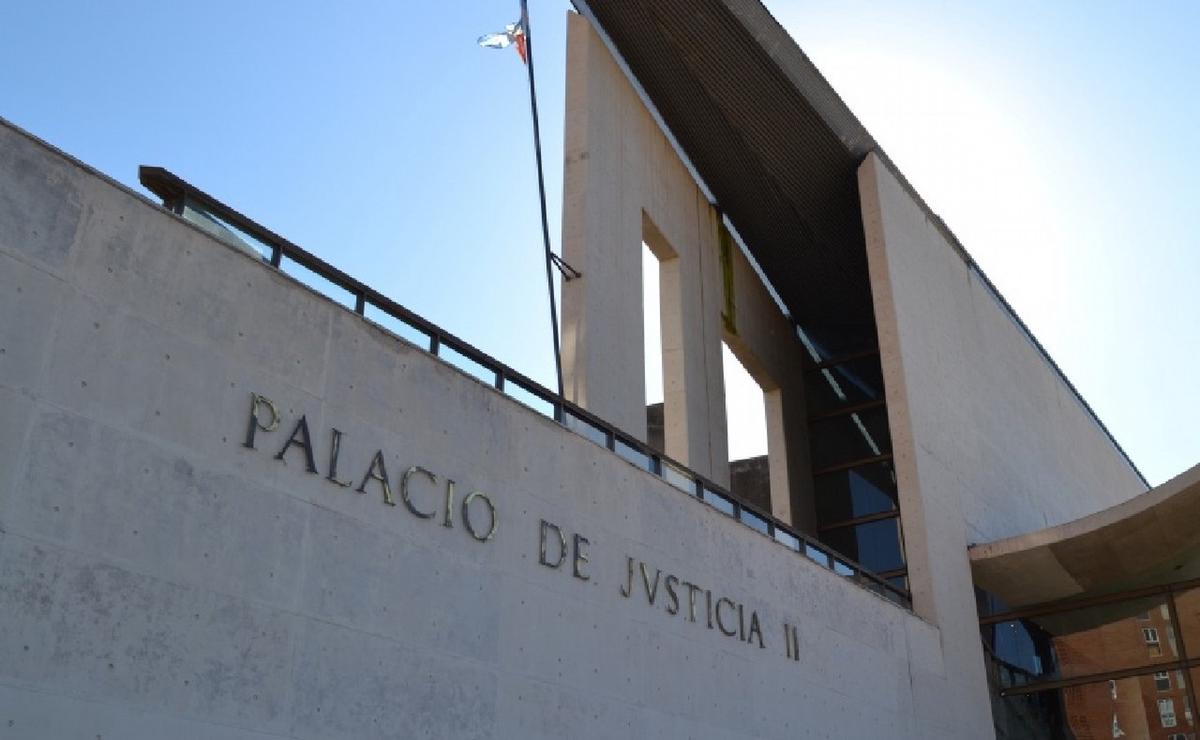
(1151, 539)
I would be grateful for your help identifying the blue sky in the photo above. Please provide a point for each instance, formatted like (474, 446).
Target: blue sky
(1054, 139)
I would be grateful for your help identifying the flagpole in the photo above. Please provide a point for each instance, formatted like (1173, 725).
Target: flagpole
(537, 147)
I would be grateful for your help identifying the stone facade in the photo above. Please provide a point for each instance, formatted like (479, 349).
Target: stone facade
(158, 578)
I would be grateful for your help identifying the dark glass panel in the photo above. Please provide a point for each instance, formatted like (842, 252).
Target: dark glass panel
(850, 383)
(848, 437)
(861, 491)
(1187, 605)
(1133, 707)
(876, 545)
(900, 582)
(989, 604)
(1099, 639)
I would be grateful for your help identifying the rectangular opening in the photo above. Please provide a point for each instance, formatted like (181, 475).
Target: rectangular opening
(653, 348)
(746, 432)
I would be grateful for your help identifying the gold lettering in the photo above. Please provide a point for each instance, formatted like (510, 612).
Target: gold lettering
(448, 511)
(720, 621)
(628, 587)
(378, 472)
(408, 504)
(791, 641)
(673, 607)
(466, 515)
(580, 558)
(544, 528)
(650, 593)
(692, 589)
(301, 439)
(335, 449)
(755, 629)
(255, 423)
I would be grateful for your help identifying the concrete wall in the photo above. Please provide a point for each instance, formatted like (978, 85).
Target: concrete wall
(989, 440)
(159, 579)
(624, 184)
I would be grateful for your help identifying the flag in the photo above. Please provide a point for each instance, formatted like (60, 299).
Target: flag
(512, 35)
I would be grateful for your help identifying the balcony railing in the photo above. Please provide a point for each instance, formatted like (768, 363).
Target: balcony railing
(184, 200)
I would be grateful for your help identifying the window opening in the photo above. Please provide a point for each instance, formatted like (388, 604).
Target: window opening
(746, 430)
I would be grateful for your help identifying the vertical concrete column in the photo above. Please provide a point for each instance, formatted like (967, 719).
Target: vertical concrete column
(603, 367)
(709, 398)
(693, 393)
(764, 341)
(930, 490)
(624, 184)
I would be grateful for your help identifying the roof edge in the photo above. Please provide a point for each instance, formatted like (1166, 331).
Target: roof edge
(966, 257)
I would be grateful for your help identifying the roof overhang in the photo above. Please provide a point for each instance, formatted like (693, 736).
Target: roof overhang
(1149, 540)
(772, 141)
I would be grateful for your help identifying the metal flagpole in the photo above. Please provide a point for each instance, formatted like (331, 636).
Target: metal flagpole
(537, 147)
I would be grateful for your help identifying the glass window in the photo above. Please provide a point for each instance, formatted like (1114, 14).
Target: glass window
(1082, 642)
(861, 491)
(787, 538)
(755, 521)
(849, 437)
(1153, 647)
(1162, 681)
(678, 477)
(850, 383)
(817, 556)
(633, 455)
(718, 501)
(585, 428)
(1187, 606)
(1166, 712)
(1130, 708)
(875, 545)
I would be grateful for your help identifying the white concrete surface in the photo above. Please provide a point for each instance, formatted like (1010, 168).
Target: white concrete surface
(624, 184)
(158, 579)
(1149, 539)
(988, 439)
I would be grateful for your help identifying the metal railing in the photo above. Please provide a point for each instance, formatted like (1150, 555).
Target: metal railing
(178, 195)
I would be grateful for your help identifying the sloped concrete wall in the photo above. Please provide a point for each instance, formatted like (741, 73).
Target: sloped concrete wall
(981, 398)
(160, 579)
(989, 440)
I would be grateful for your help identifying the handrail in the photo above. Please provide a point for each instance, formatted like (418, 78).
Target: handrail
(178, 193)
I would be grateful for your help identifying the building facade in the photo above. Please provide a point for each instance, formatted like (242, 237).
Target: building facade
(233, 506)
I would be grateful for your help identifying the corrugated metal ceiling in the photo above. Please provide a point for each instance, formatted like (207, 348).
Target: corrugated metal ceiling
(767, 134)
